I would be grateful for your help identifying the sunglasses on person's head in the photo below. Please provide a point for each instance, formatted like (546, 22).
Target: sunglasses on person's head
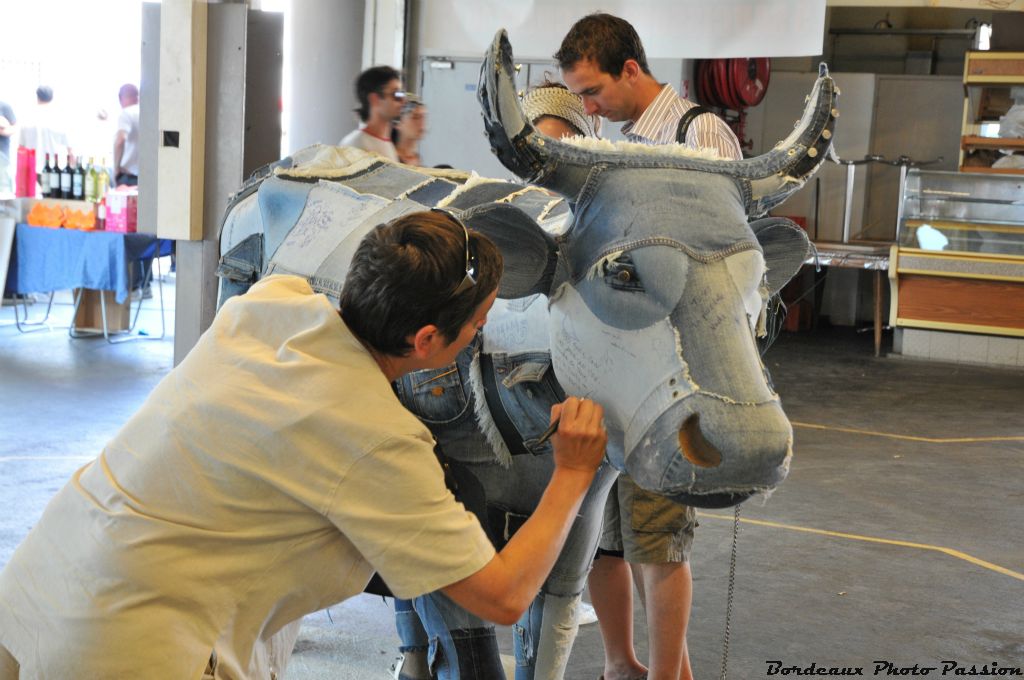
(469, 280)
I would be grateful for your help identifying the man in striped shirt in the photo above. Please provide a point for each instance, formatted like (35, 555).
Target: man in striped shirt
(603, 61)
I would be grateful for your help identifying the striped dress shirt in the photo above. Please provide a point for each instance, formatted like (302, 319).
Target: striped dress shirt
(657, 125)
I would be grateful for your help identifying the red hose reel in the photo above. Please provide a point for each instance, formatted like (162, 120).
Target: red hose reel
(733, 84)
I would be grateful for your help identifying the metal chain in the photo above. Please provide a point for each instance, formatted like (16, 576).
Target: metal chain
(728, 602)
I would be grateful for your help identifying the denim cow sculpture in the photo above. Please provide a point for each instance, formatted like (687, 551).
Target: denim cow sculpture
(633, 275)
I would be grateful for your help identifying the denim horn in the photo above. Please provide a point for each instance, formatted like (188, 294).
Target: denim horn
(765, 180)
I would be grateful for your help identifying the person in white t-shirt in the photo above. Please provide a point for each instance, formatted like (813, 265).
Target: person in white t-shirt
(274, 470)
(380, 94)
(126, 140)
(43, 130)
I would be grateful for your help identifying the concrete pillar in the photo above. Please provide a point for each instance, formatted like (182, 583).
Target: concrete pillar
(322, 58)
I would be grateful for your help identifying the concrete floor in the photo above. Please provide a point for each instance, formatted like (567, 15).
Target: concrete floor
(887, 543)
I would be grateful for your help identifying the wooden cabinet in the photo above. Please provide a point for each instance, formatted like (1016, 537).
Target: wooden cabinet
(988, 79)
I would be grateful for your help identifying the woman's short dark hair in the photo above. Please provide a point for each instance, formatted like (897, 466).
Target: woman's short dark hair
(403, 276)
(605, 39)
(373, 79)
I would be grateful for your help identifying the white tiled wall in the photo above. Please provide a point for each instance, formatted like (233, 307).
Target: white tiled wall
(965, 348)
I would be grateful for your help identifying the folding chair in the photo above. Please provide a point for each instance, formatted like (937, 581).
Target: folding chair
(40, 324)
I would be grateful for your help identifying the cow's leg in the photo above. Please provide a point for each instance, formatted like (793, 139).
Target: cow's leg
(460, 645)
(413, 642)
(545, 634)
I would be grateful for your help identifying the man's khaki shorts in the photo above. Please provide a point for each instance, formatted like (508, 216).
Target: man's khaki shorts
(644, 527)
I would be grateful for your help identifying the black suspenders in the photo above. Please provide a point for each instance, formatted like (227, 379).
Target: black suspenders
(684, 122)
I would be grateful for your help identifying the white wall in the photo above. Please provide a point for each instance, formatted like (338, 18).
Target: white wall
(384, 33)
(322, 59)
(692, 29)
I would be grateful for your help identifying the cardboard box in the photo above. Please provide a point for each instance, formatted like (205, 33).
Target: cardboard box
(25, 205)
(90, 313)
(122, 210)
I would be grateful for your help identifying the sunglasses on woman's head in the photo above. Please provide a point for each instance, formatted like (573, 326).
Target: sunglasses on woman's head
(469, 280)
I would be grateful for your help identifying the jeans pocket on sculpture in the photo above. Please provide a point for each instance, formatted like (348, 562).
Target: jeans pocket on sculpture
(244, 261)
(528, 389)
(435, 396)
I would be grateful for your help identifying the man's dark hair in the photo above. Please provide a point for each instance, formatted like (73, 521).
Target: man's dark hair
(606, 39)
(403, 275)
(44, 94)
(372, 80)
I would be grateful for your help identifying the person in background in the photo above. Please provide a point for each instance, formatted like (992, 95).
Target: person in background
(126, 171)
(7, 127)
(603, 60)
(557, 112)
(380, 94)
(43, 131)
(126, 139)
(274, 470)
(409, 129)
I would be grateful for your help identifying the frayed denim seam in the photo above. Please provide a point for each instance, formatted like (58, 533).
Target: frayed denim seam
(589, 189)
(435, 654)
(528, 652)
(327, 286)
(412, 648)
(705, 258)
(759, 167)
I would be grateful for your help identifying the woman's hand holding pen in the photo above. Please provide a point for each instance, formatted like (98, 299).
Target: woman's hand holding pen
(577, 426)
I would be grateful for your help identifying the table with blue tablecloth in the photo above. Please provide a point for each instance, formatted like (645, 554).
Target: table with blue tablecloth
(46, 259)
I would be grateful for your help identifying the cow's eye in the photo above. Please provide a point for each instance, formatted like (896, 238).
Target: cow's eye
(620, 274)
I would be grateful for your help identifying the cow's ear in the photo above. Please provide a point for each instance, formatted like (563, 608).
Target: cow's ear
(529, 252)
(785, 247)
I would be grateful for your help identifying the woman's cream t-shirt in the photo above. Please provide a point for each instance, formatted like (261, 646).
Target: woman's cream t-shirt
(265, 477)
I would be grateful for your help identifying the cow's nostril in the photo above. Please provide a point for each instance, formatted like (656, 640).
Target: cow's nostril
(695, 447)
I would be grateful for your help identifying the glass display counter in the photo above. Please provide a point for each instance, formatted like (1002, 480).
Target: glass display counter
(962, 212)
(958, 263)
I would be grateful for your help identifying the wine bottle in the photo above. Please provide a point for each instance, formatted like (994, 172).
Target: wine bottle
(55, 178)
(65, 178)
(90, 181)
(44, 178)
(78, 181)
(101, 214)
(102, 179)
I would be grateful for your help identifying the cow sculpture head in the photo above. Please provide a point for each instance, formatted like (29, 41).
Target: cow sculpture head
(657, 290)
